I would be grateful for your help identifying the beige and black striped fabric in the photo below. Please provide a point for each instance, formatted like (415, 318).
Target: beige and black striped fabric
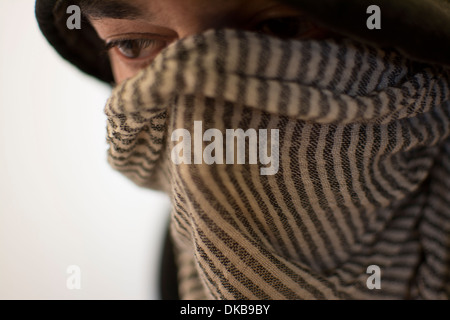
(364, 171)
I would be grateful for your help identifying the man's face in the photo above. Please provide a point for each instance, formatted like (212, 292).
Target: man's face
(135, 31)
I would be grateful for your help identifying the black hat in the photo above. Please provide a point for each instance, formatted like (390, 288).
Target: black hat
(420, 29)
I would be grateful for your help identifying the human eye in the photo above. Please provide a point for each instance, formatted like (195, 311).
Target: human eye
(287, 24)
(287, 27)
(137, 49)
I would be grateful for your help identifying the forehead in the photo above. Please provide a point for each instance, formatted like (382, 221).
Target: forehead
(115, 15)
(135, 9)
(114, 9)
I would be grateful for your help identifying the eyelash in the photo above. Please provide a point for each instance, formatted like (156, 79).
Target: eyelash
(289, 27)
(142, 43)
(136, 47)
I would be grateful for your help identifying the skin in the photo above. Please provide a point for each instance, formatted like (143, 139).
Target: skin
(135, 42)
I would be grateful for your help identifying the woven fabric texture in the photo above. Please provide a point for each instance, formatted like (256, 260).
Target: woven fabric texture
(363, 177)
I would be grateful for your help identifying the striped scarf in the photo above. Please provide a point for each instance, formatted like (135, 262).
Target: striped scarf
(364, 167)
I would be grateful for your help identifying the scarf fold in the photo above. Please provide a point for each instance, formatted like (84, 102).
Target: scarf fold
(363, 178)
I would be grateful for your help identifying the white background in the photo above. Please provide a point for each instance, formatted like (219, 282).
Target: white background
(60, 202)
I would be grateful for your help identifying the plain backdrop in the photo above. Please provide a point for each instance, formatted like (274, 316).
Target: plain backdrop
(60, 202)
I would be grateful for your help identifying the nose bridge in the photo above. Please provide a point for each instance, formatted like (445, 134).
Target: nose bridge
(199, 25)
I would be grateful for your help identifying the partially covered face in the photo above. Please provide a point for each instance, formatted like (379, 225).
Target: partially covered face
(135, 31)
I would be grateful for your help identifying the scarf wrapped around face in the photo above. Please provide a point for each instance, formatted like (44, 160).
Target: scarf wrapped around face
(363, 174)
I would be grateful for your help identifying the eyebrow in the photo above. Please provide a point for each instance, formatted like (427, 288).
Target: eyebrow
(113, 9)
